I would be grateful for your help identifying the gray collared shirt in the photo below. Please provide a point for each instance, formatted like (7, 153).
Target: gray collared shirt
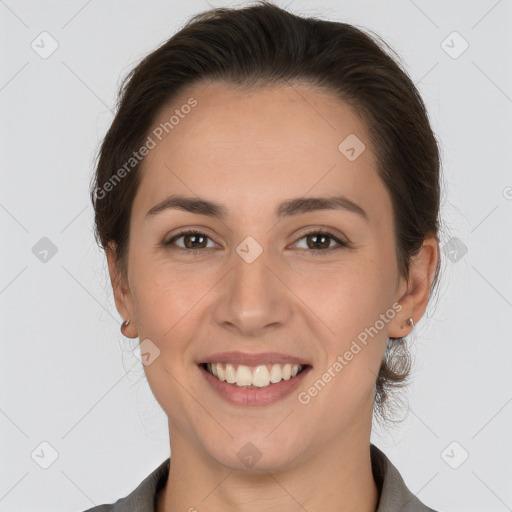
(394, 495)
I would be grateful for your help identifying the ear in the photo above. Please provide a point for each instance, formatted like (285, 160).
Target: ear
(413, 293)
(122, 293)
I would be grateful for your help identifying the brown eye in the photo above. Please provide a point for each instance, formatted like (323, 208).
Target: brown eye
(321, 242)
(194, 240)
(191, 240)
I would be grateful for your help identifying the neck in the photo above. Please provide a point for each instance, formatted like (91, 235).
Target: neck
(336, 479)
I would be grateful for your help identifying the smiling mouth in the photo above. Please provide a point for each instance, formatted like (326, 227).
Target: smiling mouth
(253, 377)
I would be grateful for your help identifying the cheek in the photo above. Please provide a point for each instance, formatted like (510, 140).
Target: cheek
(351, 303)
(163, 294)
(350, 297)
(167, 309)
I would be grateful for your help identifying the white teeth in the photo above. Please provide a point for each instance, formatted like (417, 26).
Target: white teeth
(220, 372)
(262, 376)
(230, 374)
(276, 374)
(243, 376)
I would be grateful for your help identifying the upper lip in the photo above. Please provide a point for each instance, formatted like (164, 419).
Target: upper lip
(249, 359)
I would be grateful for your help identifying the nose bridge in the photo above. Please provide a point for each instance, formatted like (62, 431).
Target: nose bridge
(253, 297)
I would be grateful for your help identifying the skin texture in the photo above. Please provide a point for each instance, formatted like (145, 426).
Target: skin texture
(250, 152)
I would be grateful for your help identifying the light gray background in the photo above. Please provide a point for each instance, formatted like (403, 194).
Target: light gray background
(68, 376)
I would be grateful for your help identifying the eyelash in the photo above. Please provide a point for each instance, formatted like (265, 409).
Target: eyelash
(322, 252)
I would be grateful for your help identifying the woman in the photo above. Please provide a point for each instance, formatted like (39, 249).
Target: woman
(268, 200)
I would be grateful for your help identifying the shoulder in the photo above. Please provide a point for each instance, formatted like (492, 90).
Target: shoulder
(143, 497)
(394, 494)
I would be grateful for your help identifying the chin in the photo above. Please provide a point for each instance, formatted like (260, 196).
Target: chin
(257, 453)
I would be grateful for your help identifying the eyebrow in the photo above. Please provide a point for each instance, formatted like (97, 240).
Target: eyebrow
(287, 208)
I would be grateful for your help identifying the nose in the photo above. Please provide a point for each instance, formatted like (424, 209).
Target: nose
(254, 298)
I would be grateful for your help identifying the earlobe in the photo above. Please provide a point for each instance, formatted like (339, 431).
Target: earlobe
(413, 297)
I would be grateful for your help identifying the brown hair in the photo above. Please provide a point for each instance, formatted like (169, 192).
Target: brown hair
(261, 45)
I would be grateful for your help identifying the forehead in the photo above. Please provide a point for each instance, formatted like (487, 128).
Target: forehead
(275, 142)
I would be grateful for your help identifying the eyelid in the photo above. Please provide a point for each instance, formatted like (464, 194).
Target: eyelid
(185, 232)
(341, 240)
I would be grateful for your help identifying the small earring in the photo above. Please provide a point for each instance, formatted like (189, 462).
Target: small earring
(410, 322)
(123, 326)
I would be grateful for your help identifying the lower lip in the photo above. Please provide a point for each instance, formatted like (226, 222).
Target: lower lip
(254, 397)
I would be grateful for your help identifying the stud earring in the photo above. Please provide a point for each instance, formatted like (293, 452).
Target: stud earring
(410, 322)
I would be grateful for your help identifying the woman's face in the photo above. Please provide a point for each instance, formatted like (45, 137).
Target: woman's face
(262, 276)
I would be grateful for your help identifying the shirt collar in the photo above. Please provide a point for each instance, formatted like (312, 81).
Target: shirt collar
(394, 494)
